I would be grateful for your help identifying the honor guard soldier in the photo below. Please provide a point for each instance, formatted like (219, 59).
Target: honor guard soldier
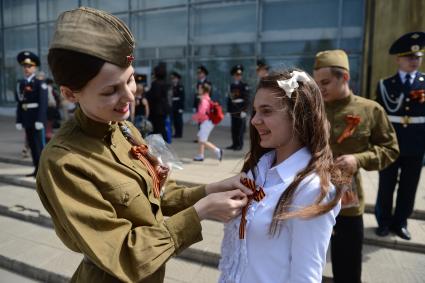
(177, 104)
(403, 98)
(361, 136)
(237, 106)
(262, 69)
(31, 111)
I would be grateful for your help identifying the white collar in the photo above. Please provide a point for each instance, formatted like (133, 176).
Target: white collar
(403, 74)
(288, 168)
(30, 78)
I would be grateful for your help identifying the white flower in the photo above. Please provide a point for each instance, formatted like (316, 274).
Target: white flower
(291, 84)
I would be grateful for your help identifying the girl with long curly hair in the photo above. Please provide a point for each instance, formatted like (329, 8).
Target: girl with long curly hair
(284, 236)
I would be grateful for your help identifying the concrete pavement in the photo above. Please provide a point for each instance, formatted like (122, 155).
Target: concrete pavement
(387, 259)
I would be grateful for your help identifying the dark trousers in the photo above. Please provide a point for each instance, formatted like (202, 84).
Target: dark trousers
(238, 126)
(346, 249)
(35, 142)
(158, 123)
(410, 170)
(178, 123)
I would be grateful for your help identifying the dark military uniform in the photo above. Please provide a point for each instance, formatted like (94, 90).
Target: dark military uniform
(196, 98)
(177, 100)
(31, 96)
(404, 101)
(237, 105)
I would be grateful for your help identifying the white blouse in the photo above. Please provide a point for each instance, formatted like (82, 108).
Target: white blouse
(297, 253)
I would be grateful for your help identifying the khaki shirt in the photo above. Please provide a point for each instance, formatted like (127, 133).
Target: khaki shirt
(373, 143)
(102, 205)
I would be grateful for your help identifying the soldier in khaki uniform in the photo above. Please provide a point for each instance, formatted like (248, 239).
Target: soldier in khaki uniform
(97, 179)
(361, 137)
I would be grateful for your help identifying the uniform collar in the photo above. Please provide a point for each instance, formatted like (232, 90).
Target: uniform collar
(403, 74)
(288, 168)
(93, 128)
(30, 78)
(340, 102)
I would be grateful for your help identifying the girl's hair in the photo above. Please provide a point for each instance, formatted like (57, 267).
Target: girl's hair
(306, 110)
(73, 69)
(206, 87)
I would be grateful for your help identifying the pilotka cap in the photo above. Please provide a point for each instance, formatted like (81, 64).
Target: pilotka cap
(96, 33)
(332, 58)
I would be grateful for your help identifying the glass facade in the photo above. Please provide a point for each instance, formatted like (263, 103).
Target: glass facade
(187, 33)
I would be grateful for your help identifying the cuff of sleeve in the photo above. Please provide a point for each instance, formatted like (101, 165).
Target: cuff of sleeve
(185, 228)
(360, 159)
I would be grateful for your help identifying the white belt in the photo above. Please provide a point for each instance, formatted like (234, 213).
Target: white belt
(406, 119)
(237, 100)
(176, 98)
(29, 106)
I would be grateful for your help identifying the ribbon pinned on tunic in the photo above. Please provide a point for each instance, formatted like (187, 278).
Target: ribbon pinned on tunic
(352, 121)
(257, 196)
(418, 95)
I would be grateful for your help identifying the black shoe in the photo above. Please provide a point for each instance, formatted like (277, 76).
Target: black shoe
(382, 231)
(402, 232)
(195, 141)
(33, 174)
(220, 155)
(178, 137)
(238, 148)
(230, 147)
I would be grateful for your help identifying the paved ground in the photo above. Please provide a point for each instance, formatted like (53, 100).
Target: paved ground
(29, 246)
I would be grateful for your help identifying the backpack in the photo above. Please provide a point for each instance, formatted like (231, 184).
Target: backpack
(216, 112)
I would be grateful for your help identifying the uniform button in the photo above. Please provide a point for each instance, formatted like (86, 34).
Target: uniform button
(407, 99)
(126, 197)
(407, 108)
(392, 95)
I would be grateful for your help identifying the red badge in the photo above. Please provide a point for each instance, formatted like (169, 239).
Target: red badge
(418, 95)
(130, 58)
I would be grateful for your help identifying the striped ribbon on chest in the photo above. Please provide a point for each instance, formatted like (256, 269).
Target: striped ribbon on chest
(139, 151)
(258, 194)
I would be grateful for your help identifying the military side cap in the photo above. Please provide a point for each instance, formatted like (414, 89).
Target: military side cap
(331, 58)
(202, 69)
(28, 58)
(96, 33)
(237, 69)
(141, 79)
(261, 64)
(412, 43)
(175, 74)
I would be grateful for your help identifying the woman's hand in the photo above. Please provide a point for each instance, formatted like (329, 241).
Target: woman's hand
(228, 184)
(221, 206)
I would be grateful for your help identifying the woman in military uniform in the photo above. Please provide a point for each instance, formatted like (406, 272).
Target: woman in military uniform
(97, 179)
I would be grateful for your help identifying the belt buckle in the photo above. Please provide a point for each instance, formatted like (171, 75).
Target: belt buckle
(24, 107)
(406, 121)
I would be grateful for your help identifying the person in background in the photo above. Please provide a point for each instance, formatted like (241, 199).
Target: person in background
(177, 104)
(262, 69)
(109, 198)
(53, 106)
(237, 105)
(361, 137)
(285, 233)
(158, 101)
(31, 108)
(403, 98)
(140, 107)
(206, 125)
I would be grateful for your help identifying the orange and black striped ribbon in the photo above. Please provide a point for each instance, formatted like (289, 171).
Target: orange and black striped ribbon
(418, 95)
(352, 121)
(257, 196)
(139, 152)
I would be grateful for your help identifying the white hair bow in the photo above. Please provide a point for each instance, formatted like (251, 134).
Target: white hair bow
(291, 84)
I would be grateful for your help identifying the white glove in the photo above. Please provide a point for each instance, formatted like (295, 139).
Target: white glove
(243, 114)
(18, 126)
(180, 111)
(39, 125)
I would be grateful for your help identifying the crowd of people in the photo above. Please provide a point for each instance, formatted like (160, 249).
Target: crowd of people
(299, 189)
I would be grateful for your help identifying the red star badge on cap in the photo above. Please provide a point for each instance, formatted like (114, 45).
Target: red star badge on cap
(130, 58)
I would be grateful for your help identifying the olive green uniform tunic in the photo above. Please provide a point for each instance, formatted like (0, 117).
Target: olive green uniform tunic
(102, 205)
(373, 142)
